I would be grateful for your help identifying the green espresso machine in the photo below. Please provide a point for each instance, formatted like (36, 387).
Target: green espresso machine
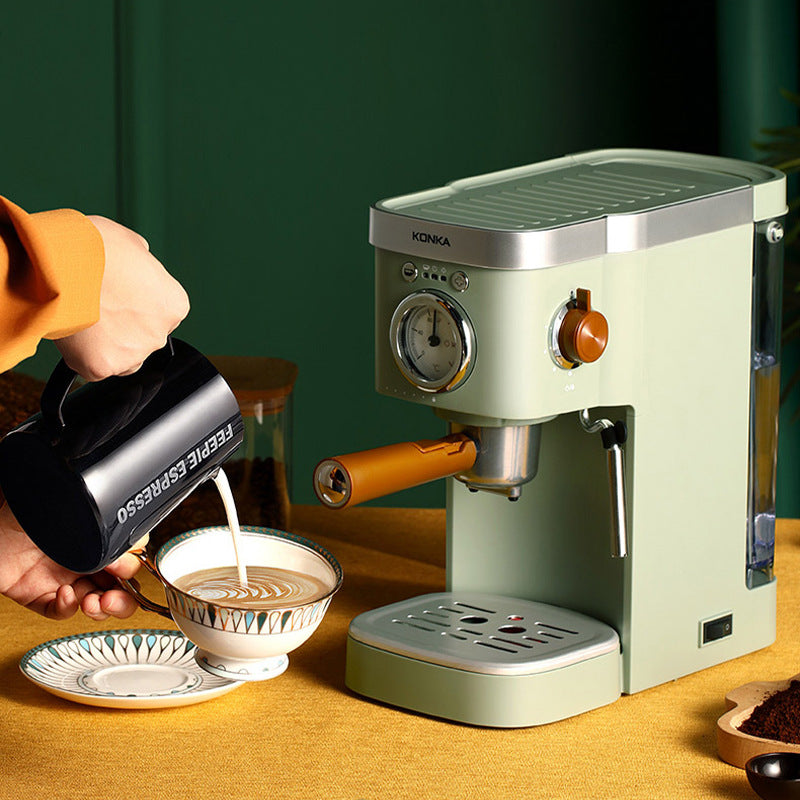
(600, 333)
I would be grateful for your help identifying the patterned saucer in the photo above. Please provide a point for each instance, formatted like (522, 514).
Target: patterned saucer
(123, 669)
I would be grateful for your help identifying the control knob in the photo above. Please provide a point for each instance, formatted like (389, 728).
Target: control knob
(583, 332)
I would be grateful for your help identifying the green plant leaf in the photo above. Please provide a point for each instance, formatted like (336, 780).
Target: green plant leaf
(786, 130)
(792, 97)
(789, 166)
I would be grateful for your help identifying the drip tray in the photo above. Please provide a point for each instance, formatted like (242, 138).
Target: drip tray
(485, 634)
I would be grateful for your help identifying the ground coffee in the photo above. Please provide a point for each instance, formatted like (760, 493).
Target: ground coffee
(19, 399)
(777, 717)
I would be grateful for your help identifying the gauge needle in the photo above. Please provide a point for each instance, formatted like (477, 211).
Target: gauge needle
(433, 339)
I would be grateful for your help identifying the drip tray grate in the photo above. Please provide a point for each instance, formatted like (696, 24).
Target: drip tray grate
(485, 633)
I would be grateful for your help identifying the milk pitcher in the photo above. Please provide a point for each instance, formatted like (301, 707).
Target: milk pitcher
(100, 466)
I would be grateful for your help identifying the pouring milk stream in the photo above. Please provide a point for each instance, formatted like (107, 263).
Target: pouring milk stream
(224, 488)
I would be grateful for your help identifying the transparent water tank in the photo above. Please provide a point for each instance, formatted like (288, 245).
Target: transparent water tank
(764, 401)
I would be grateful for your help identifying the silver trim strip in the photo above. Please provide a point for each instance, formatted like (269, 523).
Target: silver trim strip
(616, 233)
(628, 233)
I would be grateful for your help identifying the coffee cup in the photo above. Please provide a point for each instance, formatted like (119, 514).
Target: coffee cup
(245, 642)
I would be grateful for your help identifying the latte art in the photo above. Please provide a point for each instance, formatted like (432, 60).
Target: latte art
(267, 587)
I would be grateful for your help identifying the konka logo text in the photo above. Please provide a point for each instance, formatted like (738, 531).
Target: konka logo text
(430, 238)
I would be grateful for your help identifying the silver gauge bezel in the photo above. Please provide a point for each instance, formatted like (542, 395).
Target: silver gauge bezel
(555, 326)
(430, 298)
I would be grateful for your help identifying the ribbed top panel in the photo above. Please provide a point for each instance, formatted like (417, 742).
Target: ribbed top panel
(564, 196)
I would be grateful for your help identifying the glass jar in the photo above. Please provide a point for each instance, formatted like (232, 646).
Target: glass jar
(259, 472)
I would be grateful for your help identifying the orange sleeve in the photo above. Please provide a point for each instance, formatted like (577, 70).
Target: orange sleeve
(51, 268)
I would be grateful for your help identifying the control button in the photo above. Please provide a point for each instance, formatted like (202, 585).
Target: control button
(583, 335)
(409, 272)
(718, 628)
(459, 281)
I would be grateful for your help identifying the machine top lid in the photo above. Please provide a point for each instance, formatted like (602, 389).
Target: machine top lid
(579, 188)
(578, 207)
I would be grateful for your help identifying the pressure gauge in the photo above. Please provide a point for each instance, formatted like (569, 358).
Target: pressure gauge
(432, 341)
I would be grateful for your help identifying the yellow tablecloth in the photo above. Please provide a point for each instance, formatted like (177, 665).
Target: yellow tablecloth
(303, 735)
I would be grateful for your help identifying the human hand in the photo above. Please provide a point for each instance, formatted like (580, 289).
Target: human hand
(31, 579)
(140, 305)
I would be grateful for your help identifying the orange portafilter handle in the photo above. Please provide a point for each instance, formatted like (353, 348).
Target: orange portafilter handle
(346, 480)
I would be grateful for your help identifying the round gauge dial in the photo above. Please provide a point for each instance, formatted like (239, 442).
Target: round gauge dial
(432, 341)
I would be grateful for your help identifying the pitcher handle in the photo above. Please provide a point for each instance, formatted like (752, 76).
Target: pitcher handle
(131, 585)
(60, 382)
(55, 392)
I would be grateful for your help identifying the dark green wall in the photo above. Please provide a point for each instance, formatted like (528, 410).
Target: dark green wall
(757, 58)
(285, 121)
(58, 125)
(246, 141)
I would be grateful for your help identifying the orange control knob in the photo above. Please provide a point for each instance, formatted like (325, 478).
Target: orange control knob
(583, 335)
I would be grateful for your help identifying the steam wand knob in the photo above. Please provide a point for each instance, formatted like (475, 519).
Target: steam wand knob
(583, 335)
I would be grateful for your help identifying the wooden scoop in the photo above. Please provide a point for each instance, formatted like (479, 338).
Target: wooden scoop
(736, 747)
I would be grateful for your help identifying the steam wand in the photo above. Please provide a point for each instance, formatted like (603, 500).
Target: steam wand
(613, 434)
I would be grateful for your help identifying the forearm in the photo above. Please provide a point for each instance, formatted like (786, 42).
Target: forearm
(51, 264)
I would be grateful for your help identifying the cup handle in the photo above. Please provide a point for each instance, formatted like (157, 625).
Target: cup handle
(131, 585)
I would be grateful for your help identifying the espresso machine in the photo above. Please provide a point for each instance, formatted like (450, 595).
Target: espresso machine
(600, 333)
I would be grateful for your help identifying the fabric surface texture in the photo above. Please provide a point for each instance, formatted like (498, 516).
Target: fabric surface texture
(304, 735)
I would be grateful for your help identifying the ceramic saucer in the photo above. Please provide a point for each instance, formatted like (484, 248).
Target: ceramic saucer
(123, 669)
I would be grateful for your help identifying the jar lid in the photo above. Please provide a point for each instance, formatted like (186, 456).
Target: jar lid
(256, 379)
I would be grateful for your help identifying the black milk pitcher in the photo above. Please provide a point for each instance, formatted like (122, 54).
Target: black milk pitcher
(100, 466)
